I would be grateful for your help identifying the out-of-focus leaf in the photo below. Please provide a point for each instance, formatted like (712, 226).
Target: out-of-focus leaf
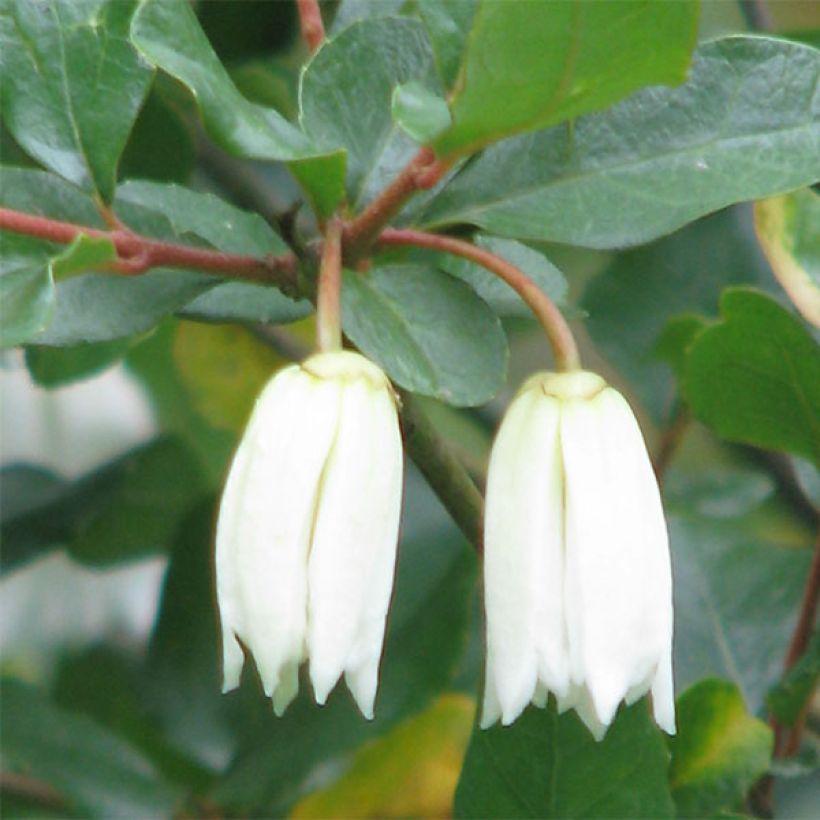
(755, 376)
(429, 331)
(676, 338)
(72, 84)
(787, 699)
(97, 773)
(349, 11)
(280, 758)
(719, 752)
(656, 161)
(448, 26)
(496, 293)
(357, 113)
(788, 228)
(223, 369)
(526, 65)
(56, 366)
(549, 765)
(630, 302)
(27, 296)
(169, 36)
(410, 772)
(420, 113)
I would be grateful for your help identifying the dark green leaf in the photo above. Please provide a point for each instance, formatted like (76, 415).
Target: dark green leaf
(27, 295)
(429, 331)
(44, 194)
(338, 97)
(675, 340)
(448, 25)
(496, 293)
(420, 113)
(168, 35)
(528, 65)
(73, 84)
(549, 765)
(98, 774)
(719, 752)
(787, 699)
(245, 302)
(755, 376)
(630, 302)
(56, 366)
(657, 160)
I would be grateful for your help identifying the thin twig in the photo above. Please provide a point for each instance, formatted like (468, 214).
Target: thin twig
(554, 324)
(310, 22)
(28, 788)
(138, 254)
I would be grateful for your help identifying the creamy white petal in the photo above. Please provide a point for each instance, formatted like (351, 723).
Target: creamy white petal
(288, 440)
(618, 583)
(491, 708)
(663, 695)
(523, 561)
(353, 551)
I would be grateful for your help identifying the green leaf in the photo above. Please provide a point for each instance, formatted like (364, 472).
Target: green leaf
(788, 228)
(349, 11)
(632, 299)
(656, 161)
(282, 758)
(127, 508)
(429, 331)
(675, 340)
(245, 302)
(549, 765)
(527, 65)
(755, 376)
(719, 752)
(73, 84)
(85, 253)
(97, 773)
(786, 700)
(420, 113)
(169, 36)
(394, 51)
(27, 295)
(496, 293)
(448, 26)
(56, 366)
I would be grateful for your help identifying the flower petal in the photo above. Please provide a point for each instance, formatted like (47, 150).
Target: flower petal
(523, 556)
(353, 553)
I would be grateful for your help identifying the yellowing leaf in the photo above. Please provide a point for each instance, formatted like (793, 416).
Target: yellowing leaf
(410, 772)
(788, 229)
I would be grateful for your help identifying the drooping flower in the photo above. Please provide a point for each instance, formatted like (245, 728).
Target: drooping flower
(307, 530)
(578, 584)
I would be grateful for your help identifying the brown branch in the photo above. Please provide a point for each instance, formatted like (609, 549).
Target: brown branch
(422, 172)
(137, 254)
(28, 788)
(310, 22)
(329, 293)
(554, 324)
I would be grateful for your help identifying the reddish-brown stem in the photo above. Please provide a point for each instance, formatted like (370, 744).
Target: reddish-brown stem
(422, 172)
(138, 254)
(328, 298)
(310, 22)
(787, 744)
(554, 324)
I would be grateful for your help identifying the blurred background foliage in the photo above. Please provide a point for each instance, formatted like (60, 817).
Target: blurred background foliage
(114, 452)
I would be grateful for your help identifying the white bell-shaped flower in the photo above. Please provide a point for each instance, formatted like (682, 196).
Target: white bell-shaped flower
(307, 530)
(578, 583)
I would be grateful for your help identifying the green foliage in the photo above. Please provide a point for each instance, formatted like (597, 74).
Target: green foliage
(656, 161)
(548, 765)
(787, 700)
(719, 752)
(755, 376)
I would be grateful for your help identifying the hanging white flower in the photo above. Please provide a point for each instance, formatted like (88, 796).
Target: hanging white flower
(307, 531)
(578, 584)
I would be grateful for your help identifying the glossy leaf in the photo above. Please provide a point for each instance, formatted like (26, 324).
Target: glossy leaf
(755, 376)
(525, 66)
(420, 113)
(97, 773)
(788, 228)
(73, 84)
(27, 294)
(656, 161)
(85, 253)
(395, 51)
(169, 36)
(448, 25)
(549, 765)
(496, 293)
(719, 752)
(429, 331)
